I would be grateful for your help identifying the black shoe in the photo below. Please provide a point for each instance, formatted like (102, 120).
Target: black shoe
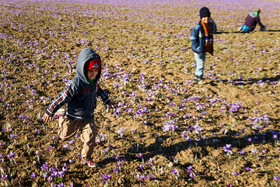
(197, 79)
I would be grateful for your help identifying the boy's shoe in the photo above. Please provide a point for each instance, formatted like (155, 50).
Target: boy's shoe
(263, 28)
(90, 163)
(197, 79)
(60, 112)
(83, 161)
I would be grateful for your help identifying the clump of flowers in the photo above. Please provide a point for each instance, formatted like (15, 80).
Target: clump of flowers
(259, 122)
(105, 178)
(228, 149)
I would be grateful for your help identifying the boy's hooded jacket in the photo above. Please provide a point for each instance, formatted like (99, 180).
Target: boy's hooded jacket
(80, 98)
(198, 38)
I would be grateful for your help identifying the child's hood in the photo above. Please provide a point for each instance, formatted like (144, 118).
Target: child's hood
(85, 56)
(254, 14)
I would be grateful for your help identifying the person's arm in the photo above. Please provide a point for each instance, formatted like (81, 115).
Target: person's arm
(259, 21)
(63, 97)
(195, 40)
(105, 98)
(214, 26)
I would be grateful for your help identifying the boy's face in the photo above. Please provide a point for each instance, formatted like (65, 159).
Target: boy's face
(205, 20)
(92, 73)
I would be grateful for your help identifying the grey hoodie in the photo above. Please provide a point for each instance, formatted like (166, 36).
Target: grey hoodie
(81, 101)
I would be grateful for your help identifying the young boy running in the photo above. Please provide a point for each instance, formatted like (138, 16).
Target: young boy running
(80, 95)
(202, 41)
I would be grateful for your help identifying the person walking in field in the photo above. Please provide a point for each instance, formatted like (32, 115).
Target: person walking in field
(80, 95)
(251, 22)
(202, 41)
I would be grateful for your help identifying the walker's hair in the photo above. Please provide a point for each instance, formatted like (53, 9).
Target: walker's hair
(259, 11)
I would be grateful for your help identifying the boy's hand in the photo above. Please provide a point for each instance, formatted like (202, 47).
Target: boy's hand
(46, 117)
(111, 105)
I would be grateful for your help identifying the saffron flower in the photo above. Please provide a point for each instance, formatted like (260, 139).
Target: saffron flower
(105, 178)
(4, 176)
(276, 178)
(142, 177)
(248, 168)
(175, 171)
(121, 131)
(228, 148)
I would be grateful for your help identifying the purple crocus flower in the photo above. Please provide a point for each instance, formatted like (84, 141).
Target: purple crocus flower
(105, 177)
(120, 163)
(248, 168)
(45, 176)
(71, 142)
(185, 136)
(190, 168)
(33, 175)
(141, 167)
(121, 131)
(166, 127)
(276, 178)
(192, 175)
(152, 160)
(254, 150)
(142, 177)
(148, 163)
(13, 135)
(242, 152)
(150, 177)
(11, 155)
(175, 171)
(66, 146)
(45, 166)
(118, 112)
(228, 148)
(4, 176)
